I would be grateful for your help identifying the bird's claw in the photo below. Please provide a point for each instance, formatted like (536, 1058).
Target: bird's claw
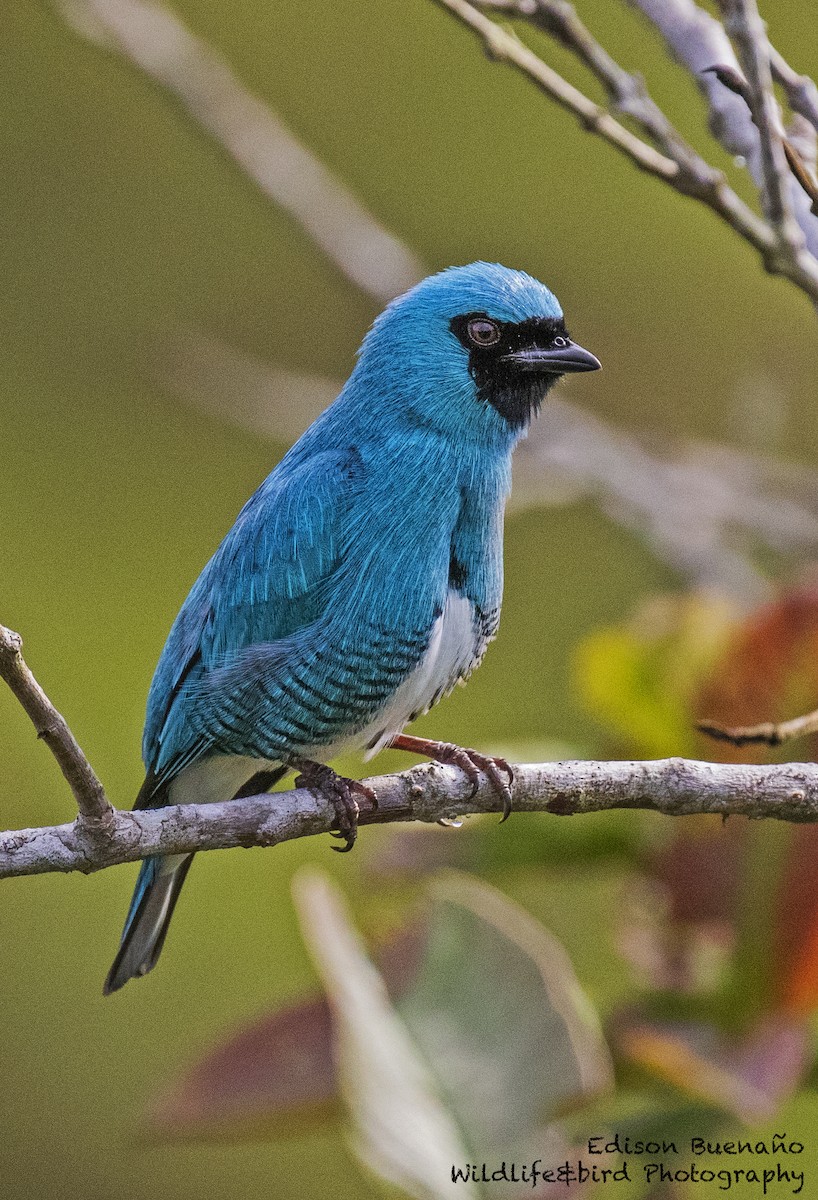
(471, 763)
(326, 784)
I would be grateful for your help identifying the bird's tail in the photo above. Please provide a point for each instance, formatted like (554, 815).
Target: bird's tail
(157, 890)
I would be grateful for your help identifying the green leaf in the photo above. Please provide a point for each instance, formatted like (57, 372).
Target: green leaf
(498, 1010)
(640, 678)
(404, 1131)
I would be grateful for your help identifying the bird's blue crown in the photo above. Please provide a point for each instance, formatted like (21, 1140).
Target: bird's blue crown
(503, 293)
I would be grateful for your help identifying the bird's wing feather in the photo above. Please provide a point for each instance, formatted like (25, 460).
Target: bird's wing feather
(264, 583)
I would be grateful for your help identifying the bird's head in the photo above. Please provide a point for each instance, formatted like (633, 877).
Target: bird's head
(472, 349)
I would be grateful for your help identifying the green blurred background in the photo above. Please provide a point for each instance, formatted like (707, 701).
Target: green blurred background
(121, 222)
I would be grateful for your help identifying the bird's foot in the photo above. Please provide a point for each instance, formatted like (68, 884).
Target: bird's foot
(326, 784)
(470, 762)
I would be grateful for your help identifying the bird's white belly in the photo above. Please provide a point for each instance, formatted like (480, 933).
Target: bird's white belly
(451, 653)
(214, 779)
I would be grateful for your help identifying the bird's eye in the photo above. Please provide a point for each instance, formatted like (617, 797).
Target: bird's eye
(561, 342)
(483, 332)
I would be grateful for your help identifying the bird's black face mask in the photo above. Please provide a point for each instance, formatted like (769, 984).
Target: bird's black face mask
(514, 364)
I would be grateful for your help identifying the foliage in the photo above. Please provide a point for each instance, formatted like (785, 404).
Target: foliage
(472, 1039)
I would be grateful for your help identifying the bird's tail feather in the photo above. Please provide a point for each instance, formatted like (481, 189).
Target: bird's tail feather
(158, 886)
(157, 890)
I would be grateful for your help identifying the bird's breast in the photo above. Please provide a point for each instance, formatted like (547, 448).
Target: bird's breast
(456, 644)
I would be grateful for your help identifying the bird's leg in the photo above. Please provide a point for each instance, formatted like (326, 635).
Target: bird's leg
(499, 773)
(325, 783)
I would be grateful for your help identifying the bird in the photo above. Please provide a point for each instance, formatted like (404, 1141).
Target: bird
(364, 577)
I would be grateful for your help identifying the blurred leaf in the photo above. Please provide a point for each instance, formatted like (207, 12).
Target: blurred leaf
(474, 1037)
(275, 1076)
(639, 679)
(678, 927)
(748, 1077)
(498, 1010)
(796, 925)
(767, 671)
(403, 1129)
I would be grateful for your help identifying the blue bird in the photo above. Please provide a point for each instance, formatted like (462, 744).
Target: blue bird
(363, 580)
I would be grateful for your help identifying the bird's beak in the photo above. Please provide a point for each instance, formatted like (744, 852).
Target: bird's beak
(557, 361)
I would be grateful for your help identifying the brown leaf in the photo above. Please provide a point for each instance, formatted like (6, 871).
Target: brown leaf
(276, 1075)
(769, 672)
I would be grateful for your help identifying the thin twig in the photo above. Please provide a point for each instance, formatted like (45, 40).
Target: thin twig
(801, 269)
(502, 46)
(94, 807)
(744, 25)
(699, 43)
(626, 91)
(768, 733)
(802, 93)
(675, 787)
(738, 84)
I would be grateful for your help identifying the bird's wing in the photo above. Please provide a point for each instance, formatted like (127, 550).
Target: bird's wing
(263, 584)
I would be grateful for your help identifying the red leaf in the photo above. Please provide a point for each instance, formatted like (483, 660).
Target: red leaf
(275, 1075)
(769, 672)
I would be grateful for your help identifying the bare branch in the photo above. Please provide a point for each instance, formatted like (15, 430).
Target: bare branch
(768, 733)
(700, 43)
(796, 160)
(157, 42)
(802, 93)
(626, 92)
(95, 810)
(710, 186)
(674, 787)
(745, 27)
(501, 46)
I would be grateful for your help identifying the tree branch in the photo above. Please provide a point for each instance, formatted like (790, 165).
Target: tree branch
(103, 836)
(96, 813)
(502, 46)
(802, 93)
(700, 43)
(745, 27)
(687, 173)
(674, 787)
(626, 91)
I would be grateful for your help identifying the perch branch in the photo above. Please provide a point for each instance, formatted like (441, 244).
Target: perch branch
(704, 183)
(102, 836)
(674, 787)
(95, 810)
